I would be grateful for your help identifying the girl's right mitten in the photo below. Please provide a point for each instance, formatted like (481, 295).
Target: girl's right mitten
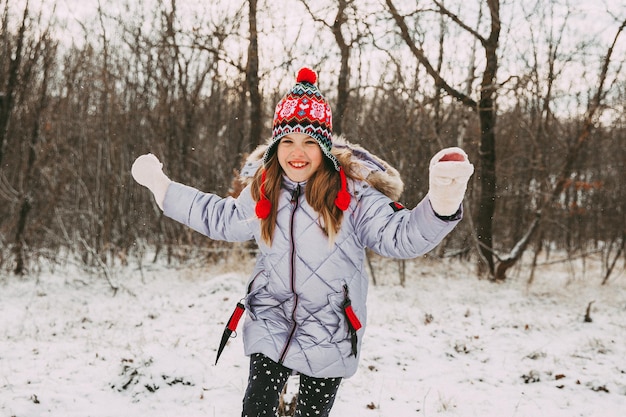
(147, 170)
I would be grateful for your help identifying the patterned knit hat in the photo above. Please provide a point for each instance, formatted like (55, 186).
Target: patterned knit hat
(303, 110)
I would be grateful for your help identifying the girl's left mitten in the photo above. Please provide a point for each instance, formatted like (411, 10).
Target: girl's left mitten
(449, 172)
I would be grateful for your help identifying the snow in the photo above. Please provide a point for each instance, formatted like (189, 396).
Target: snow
(446, 344)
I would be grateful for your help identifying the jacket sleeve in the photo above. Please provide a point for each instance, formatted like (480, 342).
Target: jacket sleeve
(230, 219)
(399, 233)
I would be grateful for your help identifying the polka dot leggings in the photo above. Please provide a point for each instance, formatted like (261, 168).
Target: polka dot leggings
(267, 379)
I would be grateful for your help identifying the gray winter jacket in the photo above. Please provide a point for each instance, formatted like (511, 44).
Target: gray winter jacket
(296, 293)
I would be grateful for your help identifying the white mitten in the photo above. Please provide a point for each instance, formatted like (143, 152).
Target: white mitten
(450, 170)
(147, 170)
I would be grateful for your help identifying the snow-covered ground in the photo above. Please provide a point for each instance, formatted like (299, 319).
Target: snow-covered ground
(446, 344)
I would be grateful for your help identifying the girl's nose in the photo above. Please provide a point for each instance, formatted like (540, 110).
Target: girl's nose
(298, 150)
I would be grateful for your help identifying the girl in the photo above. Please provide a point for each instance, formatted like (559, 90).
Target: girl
(313, 207)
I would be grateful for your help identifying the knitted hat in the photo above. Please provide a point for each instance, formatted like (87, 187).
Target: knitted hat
(303, 110)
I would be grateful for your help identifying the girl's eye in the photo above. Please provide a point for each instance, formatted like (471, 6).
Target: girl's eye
(311, 142)
(286, 141)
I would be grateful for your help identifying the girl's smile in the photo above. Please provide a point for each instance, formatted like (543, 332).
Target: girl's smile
(299, 156)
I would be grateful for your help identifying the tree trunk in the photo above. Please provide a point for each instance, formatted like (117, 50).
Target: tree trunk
(487, 190)
(7, 96)
(18, 249)
(487, 155)
(252, 80)
(344, 71)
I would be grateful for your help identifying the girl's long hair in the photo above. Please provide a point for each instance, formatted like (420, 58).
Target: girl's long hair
(321, 191)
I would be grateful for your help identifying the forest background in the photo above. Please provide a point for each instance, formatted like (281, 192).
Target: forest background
(535, 92)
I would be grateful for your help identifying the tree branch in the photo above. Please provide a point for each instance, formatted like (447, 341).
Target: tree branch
(443, 10)
(421, 57)
(593, 108)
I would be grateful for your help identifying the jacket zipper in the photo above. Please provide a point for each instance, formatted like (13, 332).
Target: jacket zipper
(292, 273)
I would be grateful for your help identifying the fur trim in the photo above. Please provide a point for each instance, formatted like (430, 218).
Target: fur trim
(377, 172)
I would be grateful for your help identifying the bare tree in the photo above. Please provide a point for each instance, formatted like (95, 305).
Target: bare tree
(344, 22)
(73, 119)
(29, 73)
(564, 174)
(484, 106)
(46, 48)
(252, 78)
(13, 67)
(487, 113)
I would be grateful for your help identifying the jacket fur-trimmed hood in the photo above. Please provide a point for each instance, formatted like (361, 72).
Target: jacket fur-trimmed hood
(377, 172)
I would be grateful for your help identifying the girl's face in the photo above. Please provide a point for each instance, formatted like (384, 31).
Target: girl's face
(299, 156)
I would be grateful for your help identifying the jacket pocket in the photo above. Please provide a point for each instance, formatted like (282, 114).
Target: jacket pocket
(349, 322)
(258, 296)
(339, 328)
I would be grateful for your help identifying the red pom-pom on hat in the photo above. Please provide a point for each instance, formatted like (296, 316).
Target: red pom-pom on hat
(306, 75)
(263, 208)
(342, 200)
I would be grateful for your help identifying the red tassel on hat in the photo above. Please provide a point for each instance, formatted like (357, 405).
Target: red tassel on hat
(343, 196)
(263, 206)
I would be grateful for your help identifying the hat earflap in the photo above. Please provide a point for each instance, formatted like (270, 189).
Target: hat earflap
(263, 206)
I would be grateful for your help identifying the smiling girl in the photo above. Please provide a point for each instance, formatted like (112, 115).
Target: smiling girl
(313, 206)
